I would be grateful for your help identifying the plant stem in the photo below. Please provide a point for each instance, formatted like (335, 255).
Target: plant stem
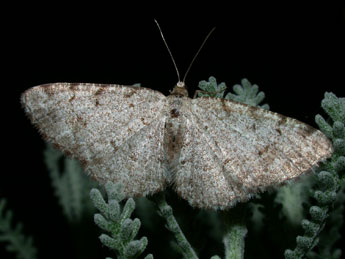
(167, 213)
(235, 232)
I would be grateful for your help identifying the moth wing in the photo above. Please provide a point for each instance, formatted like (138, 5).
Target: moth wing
(113, 130)
(232, 150)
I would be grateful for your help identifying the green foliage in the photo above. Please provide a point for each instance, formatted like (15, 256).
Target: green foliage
(334, 107)
(257, 216)
(17, 241)
(71, 184)
(116, 220)
(248, 94)
(211, 88)
(291, 197)
(329, 237)
(245, 93)
(235, 231)
(165, 211)
(327, 191)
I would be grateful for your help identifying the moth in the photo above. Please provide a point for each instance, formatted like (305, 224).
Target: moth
(213, 152)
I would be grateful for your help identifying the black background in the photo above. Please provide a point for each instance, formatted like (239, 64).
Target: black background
(294, 53)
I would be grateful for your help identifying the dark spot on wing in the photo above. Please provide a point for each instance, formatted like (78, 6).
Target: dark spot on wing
(81, 121)
(133, 157)
(262, 151)
(130, 93)
(144, 122)
(226, 107)
(174, 113)
(279, 131)
(131, 105)
(282, 120)
(66, 152)
(227, 161)
(100, 91)
(48, 90)
(112, 143)
(72, 98)
(73, 86)
(253, 112)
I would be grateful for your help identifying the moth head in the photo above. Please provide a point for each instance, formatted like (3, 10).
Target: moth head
(179, 89)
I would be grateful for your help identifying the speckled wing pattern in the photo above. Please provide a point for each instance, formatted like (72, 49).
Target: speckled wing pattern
(214, 152)
(115, 131)
(232, 150)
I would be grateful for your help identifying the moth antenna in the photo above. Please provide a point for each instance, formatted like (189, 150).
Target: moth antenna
(171, 56)
(197, 53)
